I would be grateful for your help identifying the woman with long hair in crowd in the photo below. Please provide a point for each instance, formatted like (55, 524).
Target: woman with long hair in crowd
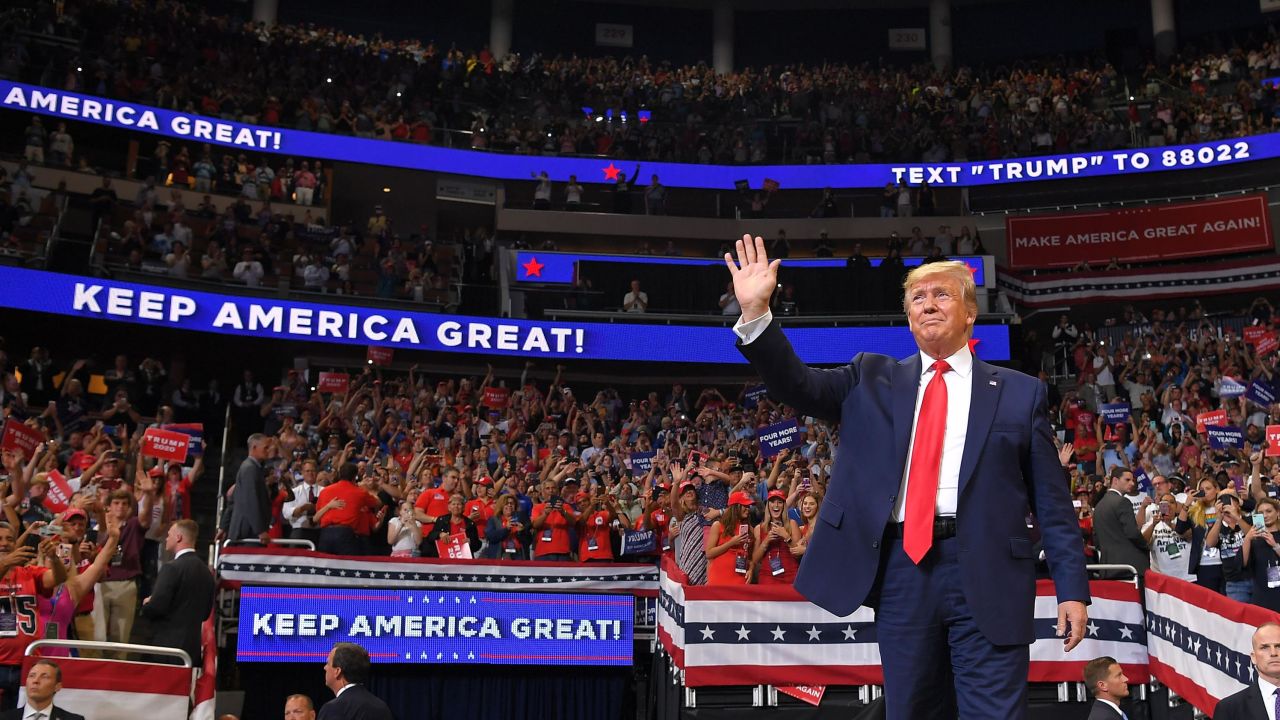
(404, 531)
(1262, 555)
(505, 531)
(728, 543)
(773, 539)
(1205, 560)
(802, 531)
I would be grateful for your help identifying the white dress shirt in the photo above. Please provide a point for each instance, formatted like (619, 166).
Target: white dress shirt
(1268, 696)
(29, 712)
(959, 382)
(182, 552)
(301, 496)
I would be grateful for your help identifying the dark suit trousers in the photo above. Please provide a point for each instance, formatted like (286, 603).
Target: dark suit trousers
(339, 540)
(937, 663)
(312, 534)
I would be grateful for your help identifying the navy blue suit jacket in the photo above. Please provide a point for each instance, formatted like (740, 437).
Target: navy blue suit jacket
(1009, 464)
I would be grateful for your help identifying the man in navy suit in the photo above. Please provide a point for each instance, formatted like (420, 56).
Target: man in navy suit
(941, 457)
(345, 673)
(1253, 702)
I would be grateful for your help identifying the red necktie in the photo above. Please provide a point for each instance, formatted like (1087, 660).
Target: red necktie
(926, 463)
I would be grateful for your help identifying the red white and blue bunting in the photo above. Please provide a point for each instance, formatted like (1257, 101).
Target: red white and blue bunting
(280, 566)
(1059, 288)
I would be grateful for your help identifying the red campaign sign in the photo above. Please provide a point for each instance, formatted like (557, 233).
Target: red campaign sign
(21, 438)
(1273, 441)
(1215, 418)
(496, 397)
(455, 548)
(165, 444)
(1267, 345)
(379, 356)
(58, 496)
(332, 382)
(1253, 334)
(811, 694)
(1152, 232)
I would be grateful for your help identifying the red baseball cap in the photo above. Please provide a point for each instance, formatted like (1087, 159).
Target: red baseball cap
(777, 495)
(486, 481)
(741, 498)
(687, 486)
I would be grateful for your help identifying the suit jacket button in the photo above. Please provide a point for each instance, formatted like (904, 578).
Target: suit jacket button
(875, 544)
(893, 499)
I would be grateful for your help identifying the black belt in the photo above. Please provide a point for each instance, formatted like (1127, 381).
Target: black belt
(943, 527)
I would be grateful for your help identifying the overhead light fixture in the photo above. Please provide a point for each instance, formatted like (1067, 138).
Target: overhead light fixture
(328, 79)
(386, 189)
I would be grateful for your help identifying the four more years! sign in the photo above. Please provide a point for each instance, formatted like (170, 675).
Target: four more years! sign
(780, 436)
(293, 624)
(1152, 232)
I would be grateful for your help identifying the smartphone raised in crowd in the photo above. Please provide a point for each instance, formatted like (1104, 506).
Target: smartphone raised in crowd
(1258, 521)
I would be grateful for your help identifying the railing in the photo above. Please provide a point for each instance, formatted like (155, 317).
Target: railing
(1124, 202)
(222, 483)
(97, 646)
(1112, 335)
(618, 316)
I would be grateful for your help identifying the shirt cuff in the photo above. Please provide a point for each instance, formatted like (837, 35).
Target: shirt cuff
(748, 330)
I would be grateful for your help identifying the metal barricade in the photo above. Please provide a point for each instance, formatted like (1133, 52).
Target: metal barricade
(282, 542)
(82, 699)
(97, 646)
(1103, 567)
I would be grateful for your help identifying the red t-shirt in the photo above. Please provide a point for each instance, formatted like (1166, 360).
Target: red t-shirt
(179, 494)
(356, 498)
(486, 512)
(553, 538)
(86, 602)
(18, 591)
(660, 522)
(593, 540)
(434, 502)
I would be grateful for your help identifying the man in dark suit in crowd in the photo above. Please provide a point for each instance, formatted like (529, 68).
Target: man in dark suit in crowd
(1109, 685)
(250, 506)
(941, 456)
(1115, 528)
(183, 596)
(1252, 702)
(345, 673)
(44, 680)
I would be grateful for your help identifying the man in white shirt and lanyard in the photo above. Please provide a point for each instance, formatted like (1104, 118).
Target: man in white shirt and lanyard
(1261, 700)
(44, 680)
(301, 510)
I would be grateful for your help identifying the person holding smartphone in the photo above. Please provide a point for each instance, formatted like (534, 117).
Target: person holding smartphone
(1228, 534)
(552, 520)
(728, 543)
(773, 540)
(1262, 555)
(1204, 559)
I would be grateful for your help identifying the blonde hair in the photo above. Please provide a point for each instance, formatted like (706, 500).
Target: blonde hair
(952, 269)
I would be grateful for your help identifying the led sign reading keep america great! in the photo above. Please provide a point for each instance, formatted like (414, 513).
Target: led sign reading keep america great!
(186, 126)
(273, 318)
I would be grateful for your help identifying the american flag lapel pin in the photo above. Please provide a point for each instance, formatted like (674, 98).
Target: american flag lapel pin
(993, 382)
